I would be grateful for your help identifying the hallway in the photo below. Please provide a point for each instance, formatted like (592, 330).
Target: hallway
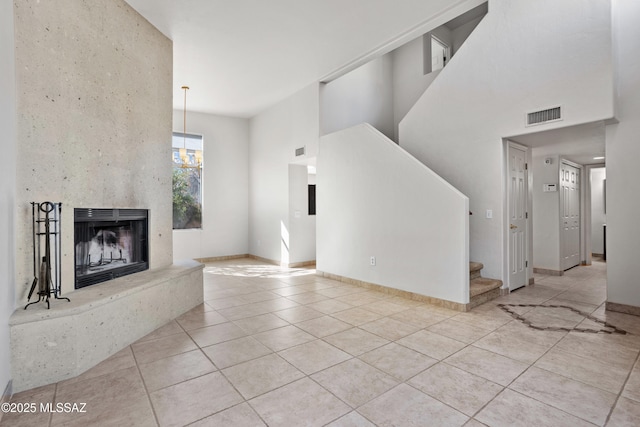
(284, 347)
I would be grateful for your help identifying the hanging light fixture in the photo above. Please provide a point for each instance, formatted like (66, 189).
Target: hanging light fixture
(193, 159)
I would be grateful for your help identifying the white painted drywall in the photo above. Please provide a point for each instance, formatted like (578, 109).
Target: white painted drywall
(522, 56)
(365, 95)
(409, 79)
(7, 187)
(598, 215)
(374, 199)
(623, 152)
(225, 214)
(302, 226)
(274, 135)
(460, 34)
(546, 212)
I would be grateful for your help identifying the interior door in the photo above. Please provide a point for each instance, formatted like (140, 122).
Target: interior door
(517, 199)
(569, 215)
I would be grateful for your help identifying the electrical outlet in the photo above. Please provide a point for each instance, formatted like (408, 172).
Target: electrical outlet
(372, 261)
(489, 214)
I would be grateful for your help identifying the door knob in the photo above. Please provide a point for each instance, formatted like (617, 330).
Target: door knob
(513, 226)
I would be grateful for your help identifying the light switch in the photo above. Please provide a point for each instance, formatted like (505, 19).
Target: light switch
(489, 213)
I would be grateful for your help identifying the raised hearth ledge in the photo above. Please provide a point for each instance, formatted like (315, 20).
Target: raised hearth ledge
(48, 346)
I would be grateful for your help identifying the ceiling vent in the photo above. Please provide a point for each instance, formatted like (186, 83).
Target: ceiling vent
(544, 116)
(300, 151)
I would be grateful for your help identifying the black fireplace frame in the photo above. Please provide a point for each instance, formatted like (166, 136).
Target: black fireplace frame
(100, 217)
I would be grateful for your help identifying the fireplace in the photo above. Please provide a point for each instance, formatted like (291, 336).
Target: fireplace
(109, 243)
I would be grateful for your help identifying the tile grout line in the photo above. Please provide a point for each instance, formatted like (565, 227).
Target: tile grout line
(144, 384)
(615, 403)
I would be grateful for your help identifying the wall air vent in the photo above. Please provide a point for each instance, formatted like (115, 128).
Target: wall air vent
(544, 116)
(300, 151)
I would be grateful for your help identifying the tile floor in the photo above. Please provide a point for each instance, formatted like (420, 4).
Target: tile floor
(283, 347)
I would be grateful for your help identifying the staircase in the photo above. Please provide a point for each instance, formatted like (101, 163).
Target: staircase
(481, 289)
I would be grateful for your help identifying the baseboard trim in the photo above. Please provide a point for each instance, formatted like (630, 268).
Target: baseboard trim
(397, 292)
(6, 396)
(623, 308)
(221, 258)
(274, 262)
(267, 260)
(302, 264)
(548, 272)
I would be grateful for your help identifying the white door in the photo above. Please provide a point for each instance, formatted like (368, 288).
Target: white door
(569, 215)
(517, 199)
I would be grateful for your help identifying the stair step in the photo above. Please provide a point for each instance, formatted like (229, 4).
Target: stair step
(482, 290)
(474, 270)
(482, 284)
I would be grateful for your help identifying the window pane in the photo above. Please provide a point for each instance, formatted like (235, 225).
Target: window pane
(187, 180)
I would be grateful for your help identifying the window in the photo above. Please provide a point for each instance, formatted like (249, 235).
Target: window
(187, 180)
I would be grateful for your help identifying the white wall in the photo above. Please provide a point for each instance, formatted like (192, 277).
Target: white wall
(274, 135)
(546, 212)
(598, 215)
(365, 95)
(225, 214)
(409, 79)
(460, 34)
(302, 226)
(7, 187)
(623, 152)
(374, 199)
(521, 57)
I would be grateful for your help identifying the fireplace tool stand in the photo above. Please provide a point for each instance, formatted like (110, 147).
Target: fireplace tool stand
(47, 253)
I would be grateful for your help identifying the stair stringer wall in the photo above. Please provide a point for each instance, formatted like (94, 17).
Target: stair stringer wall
(375, 199)
(523, 56)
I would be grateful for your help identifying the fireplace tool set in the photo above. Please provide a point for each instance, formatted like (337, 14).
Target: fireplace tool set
(47, 260)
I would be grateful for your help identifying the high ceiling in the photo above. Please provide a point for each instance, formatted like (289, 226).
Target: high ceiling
(240, 56)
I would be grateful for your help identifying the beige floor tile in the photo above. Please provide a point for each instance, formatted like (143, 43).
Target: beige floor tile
(625, 414)
(40, 395)
(532, 335)
(149, 351)
(511, 409)
(623, 321)
(615, 350)
(121, 360)
(314, 356)
(277, 304)
(215, 334)
(244, 311)
(352, 419)
(261, 296)
(298, 314)
(175, 369)
(419, 316)
(241, 415)
(323, 326)
(459, 389)
(433, 345)
(355, 382)
(307, 298)
(459, 331)
(406, 302)
(398, 361)
(261, 323)
(341, 291)
(512, 346)
(486, 364)
(492, 320)
(104, 395)
(330, 306)
(289, 291)
(474, 423)
(360, 298)
(385, 307)
(301, 403)
(193, 400)
(632, 387)
(389, 328)
(261, 375)
(593, 372)
(170, 328)
(406, 406)
(195, 320)
(355, 341)
(357, 316)
(236, 351)
(283, 338)
(222, 303)
(579, 399)
(136, 412)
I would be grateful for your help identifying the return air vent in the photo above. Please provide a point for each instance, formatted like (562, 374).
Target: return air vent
(544, 116)
(300, 151)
